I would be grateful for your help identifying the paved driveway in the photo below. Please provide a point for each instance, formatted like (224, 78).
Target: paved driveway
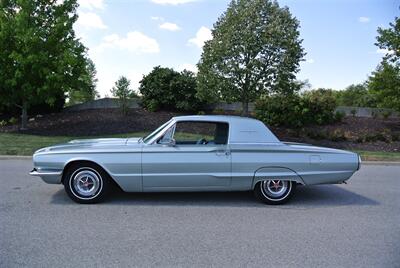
(354, 225)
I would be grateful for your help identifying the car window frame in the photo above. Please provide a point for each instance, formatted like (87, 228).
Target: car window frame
(160, 132)
(201, 121)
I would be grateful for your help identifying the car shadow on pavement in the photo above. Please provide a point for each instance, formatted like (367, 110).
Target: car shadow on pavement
(329, 195)
(305, 196)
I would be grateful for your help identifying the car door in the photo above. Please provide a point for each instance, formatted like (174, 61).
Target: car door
(188, 162)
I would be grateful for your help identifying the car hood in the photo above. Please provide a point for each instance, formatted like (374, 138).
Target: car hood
(109, 141)
(93, 145)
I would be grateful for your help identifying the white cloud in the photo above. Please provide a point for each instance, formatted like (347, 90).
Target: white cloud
(105, 83)
(202, 35)
(83, 36)
(135, 76)
(90, 20)
(157, 18)
(189, 67)
(384, 51)
(134, 42)
(310, 61)
(91, 4)
(172, 2)
(364, 19)
(170, 26)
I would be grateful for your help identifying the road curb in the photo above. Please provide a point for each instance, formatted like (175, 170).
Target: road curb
(14, 157)
(381, 163)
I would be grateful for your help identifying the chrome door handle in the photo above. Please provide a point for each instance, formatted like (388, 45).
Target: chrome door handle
(223, 152)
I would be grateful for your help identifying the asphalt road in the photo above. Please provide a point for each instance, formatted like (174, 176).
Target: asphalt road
(353, 225)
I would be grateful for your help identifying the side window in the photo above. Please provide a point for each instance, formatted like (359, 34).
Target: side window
(201, 133)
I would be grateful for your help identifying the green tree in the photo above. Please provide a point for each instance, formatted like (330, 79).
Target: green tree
(40, 57)
(123, 92)
(355, 95)
(384, 85)
(389, 39)
(255, 50)
(87, 90)
(164, 88)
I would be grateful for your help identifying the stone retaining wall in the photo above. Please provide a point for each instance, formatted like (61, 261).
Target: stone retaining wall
(135, 103)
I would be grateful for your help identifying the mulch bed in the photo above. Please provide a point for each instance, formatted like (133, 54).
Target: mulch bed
(347, 134)
(92, 123)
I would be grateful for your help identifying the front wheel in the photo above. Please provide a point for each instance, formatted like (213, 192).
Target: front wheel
(274, 192)
(86, 183)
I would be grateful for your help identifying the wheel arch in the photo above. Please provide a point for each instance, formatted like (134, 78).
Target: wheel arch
(83, 160)
(276, 172)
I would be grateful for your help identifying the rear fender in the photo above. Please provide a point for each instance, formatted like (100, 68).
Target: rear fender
(276, 173)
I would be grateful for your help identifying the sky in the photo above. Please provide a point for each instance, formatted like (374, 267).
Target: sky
(130, 37)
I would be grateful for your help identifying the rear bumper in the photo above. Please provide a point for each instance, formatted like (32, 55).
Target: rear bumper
(48, 176)
(359, 162)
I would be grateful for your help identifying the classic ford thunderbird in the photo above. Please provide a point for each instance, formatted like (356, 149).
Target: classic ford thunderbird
(193, 153)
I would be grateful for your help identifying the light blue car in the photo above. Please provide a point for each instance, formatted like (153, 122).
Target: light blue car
(193, 153)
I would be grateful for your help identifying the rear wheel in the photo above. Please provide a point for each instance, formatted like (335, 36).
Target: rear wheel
(86, 183)
(274, 192)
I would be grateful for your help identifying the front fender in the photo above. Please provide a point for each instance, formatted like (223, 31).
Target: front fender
(276, 173)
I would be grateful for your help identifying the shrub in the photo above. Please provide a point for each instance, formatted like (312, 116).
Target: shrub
(164, 88)
(337, 135)
(321, 104)
(313, 107)
(153, 105)
(386, 114)
(281, 110)
(339, 116)
(375, 137)
(3, 123)
(12, 120)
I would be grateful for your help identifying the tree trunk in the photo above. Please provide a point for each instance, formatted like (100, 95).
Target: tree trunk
(24, 116)
(245, 108)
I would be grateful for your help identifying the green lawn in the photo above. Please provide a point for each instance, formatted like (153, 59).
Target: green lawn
(22, 144)
(379, 156)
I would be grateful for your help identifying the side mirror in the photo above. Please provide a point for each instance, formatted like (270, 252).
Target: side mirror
(167, 142)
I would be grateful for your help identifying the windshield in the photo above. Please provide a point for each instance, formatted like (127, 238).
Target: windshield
(155, 132)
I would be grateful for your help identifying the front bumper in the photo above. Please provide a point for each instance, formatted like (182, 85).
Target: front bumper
(49, 176)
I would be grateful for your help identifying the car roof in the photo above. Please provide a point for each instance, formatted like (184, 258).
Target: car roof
(241, 129)
(213, 118)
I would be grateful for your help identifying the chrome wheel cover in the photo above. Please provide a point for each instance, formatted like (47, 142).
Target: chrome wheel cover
(275, 189)
(86, 183)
